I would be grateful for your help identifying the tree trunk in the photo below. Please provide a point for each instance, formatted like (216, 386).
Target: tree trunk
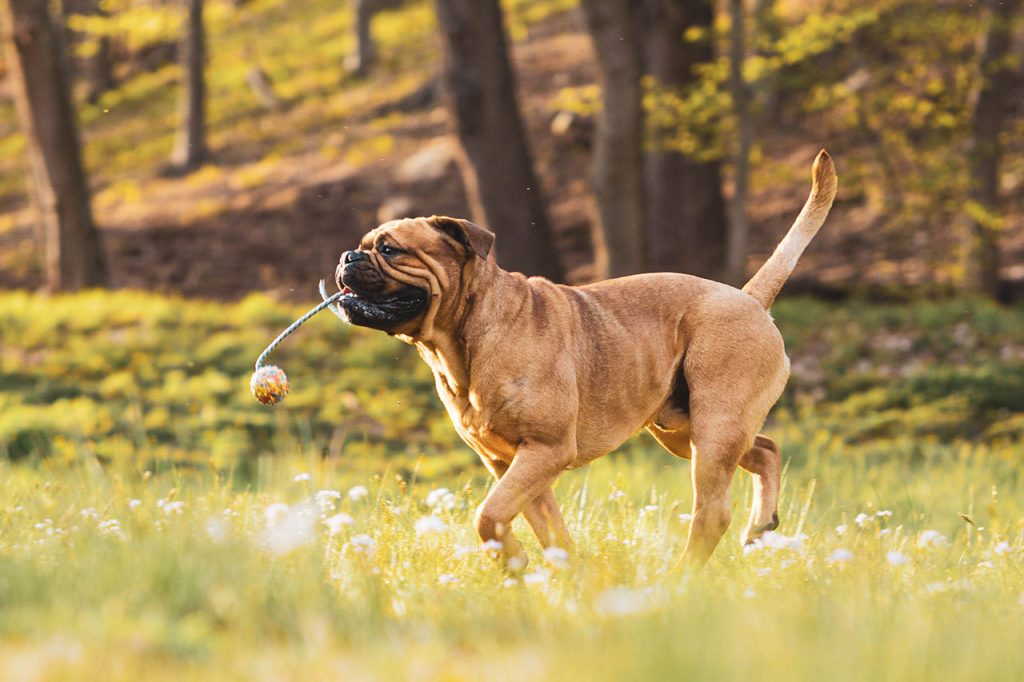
(686, 223)
(503, 191)
(35, 53)
(190, 143)
(739, 226)
(618, 151)
(986, 125)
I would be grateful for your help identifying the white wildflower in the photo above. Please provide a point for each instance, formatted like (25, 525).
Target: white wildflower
(931, 538)
(288, 528)
(357, 492)
(884, 532)
(112, 527)
(511, 582)
(302, 477)
(363, 544)
(218, 529)
(557, 557)
(537, 577)
(841, 529)
(134, 504)
(447, 579)
(325, 499)
(516, 564)
(492, 546)
(861, 519)
(1002, 549)
(777, 541)
(616, 495)
(89, 513)
(429, 525)
(650, 508)
(883, 513)
(334, 523)
(440, 499)
(840, 555)
(173, 507)
(621, 601)
(896, 558)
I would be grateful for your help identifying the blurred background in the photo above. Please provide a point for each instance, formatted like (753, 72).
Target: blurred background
(209, 161)
(213, 148)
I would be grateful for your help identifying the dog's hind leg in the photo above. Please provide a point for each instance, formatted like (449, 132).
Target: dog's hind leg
(764, 462)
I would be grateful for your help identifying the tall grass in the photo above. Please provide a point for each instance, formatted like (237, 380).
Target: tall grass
(222, 540)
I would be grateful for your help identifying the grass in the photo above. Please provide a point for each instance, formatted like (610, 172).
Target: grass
(155, 522)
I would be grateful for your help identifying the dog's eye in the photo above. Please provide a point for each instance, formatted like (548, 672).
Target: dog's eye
(387, 250)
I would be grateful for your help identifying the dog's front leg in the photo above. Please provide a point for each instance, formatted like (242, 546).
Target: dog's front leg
(529, 478)
(542, 513)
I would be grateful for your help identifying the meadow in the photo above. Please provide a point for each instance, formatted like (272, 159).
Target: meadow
(157, 523)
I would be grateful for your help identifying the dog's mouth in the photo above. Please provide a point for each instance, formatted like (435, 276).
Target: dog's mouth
(383, 312)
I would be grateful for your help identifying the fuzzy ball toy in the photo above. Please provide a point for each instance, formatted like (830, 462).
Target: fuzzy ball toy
(269, 384)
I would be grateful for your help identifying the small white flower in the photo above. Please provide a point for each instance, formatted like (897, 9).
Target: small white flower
(884, 531)
(896, 558)
(492, 546)
(325, 499)
(650, 508)
(841, 529)
(840, 555)
(621, 601)
(440, 499)
(511, 582)
(516, 564)
(89, 513)
(429, 525)
(302, 477)
(288, 528)
(775, 541)
(1002, 549)
(861, 519)
(112, 527)
(883, 513)
(462, 551)
(931, 538)
(276, 513)
(363, 544)
(685, 518)
(616, 495)
(357, 492)
(334, 523)
(134, 504)
(174, 507)
(447, 579)
(751, 547)
(217, 528)
(557, 557)
(537, 577)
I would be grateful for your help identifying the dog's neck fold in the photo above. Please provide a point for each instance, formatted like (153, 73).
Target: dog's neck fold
(484, 292)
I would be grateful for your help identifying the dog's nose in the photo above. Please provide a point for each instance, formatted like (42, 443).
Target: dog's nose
(352, 257)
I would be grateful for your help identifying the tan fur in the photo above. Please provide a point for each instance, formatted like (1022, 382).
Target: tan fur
(539, 378)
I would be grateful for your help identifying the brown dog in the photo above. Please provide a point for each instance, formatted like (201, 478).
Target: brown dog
(539, 378)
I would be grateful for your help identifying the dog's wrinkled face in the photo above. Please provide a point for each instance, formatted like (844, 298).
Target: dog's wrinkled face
(402, 271)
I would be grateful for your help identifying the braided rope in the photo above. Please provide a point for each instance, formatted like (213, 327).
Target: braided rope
(327, 302)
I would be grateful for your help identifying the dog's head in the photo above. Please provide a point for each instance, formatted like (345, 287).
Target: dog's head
(406, 274)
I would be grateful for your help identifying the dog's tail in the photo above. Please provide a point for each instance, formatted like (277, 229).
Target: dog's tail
(766, 283)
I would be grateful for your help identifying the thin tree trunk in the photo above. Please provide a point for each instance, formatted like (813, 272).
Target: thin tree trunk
(618, 179)
(34, 46)
(190, 144)
(496, 168)
(686, 221)
(98, 71)
(739, 225)
(986, 126)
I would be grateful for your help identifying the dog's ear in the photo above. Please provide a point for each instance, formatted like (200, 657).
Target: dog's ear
(470, 235)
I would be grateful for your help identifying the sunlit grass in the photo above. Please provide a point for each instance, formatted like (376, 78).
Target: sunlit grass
(872, 576)
(157, 523)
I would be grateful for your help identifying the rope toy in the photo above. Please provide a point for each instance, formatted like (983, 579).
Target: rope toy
(269, 384)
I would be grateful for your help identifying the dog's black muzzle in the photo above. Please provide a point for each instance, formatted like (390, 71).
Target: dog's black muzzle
(367, 301)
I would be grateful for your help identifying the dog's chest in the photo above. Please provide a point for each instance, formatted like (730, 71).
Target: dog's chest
(473, 423)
